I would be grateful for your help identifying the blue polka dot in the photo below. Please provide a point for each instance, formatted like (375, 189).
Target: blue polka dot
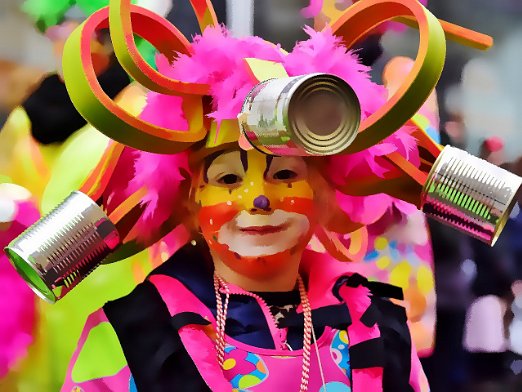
(335, 387)
(371, 255)
(132, 385)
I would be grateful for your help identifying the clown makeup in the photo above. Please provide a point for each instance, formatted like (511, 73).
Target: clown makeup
(256, 211)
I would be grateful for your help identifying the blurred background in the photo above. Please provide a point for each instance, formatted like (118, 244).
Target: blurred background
(477, 341)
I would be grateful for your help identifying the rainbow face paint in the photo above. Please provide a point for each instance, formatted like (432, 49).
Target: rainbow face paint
(255, 210)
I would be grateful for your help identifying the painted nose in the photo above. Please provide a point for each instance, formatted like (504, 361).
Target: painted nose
(262, 203)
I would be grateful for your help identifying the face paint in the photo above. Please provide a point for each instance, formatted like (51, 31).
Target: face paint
(255, 210)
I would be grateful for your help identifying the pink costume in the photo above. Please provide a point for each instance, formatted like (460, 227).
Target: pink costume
(353, 354)
(184, 328)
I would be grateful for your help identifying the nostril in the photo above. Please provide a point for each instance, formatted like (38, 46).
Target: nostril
(262, 202)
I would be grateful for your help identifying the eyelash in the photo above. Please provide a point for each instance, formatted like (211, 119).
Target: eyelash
(284, 175)
(280, 175)
(222, 180)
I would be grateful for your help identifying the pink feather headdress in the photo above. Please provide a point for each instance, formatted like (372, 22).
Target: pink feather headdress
(217, 60)
(199, 89)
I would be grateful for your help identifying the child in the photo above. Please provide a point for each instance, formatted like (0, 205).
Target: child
(246, 304)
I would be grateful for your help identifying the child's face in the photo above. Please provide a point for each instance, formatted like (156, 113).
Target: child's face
(255, 210)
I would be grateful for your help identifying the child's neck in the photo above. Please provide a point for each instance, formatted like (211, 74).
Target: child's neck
(284, 280)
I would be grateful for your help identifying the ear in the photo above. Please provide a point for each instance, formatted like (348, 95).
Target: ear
(192, 203)
(195, 185)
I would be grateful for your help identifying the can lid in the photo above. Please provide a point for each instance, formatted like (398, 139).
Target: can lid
(63, 247)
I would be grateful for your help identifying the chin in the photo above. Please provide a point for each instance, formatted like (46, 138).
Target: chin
(264, 235)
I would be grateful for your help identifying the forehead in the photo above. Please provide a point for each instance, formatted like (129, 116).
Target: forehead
(235, 157)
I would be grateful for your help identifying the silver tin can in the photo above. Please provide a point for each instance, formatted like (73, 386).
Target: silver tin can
(315, 114)
(470, 194)
(62, 248)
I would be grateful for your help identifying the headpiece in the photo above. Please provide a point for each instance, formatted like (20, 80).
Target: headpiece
(222, 90)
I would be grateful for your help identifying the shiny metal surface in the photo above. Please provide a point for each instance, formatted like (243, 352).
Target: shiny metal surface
(470, 194)
(63, 247)
(316, 114)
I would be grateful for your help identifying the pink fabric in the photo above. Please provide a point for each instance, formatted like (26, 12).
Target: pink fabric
(17, 303)
(251, 366)
(199, 346)
(325, 271)
(363, 379)
(117, 382)
(418, 379)
(397, 243)
(288, 364)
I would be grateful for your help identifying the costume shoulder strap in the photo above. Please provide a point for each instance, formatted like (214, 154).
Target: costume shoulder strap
(393, 350)
(155, 353)
(98, 364)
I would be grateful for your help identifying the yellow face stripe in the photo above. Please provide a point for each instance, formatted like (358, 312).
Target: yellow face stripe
(253, 184)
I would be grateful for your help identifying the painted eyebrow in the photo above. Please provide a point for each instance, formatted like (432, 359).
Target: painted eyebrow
(244, 159)
(212, 157)
(208, 161)
(269, 159)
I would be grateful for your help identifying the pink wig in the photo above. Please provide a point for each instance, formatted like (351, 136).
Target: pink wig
(217, 60)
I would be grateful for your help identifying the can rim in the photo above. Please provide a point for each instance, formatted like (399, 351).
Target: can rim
(23, 265)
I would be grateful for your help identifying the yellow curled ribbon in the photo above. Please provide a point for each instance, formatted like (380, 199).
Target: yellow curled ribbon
(108, 117)
(364, 16)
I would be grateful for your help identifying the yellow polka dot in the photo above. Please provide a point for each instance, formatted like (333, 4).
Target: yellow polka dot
(381, 243)
(229, 364)
(425, 279)
(343, 336)
(248, 381)
(400, 275)
(383, 262)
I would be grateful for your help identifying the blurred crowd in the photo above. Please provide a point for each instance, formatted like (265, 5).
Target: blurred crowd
(477, 343)
(479, 300)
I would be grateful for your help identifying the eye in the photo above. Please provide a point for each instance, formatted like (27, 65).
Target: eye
(229, 179)
(284, 174)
